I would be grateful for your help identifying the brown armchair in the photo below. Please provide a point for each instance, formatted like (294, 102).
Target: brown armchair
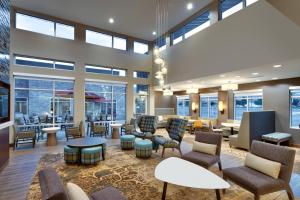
(203, 159)
(74, 132)
(98, 130)
(259, 183)
(27, 136)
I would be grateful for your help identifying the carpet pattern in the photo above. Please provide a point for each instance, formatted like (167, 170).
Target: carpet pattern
(133, 176)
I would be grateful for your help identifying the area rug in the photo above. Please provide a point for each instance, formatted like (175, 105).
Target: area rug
(133, 176)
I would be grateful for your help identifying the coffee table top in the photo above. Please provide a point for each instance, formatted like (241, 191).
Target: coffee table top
(184, 173)
(226, 124)
(86, 142)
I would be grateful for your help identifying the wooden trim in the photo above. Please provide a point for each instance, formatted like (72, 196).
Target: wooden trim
(296, 145)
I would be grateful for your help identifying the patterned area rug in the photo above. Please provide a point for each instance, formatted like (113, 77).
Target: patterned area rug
(133, 176)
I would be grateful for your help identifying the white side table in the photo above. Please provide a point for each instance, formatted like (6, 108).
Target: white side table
(51, 135)
(115, 131)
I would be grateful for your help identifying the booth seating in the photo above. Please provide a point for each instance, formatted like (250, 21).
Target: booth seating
(71, 154)
(127, 142)
(253, 126)
(91, 155)
(143, 148)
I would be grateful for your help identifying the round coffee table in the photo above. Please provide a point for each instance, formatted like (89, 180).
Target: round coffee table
(115, 131)
(81, 143)
(51, 135)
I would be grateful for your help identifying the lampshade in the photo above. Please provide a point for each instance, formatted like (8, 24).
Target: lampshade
(158, 61)
(192, 90)
(229, 86)
(159, 76)
(221, 106)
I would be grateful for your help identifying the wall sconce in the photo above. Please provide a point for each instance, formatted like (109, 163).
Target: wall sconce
(194, 107)
(221, 107)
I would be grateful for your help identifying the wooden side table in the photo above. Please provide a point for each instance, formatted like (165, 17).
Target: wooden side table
(115, 131)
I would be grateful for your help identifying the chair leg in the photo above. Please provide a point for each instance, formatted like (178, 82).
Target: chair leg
(290, 193)
(179, 149)
(220, 165)
(163, 152)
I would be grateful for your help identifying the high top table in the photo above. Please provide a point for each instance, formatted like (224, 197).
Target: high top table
(184, 173)
(231, 126)
(51, 135)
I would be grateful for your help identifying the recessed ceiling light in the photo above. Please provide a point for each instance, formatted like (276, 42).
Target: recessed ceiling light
(277, 66)
(255, 73)
(222, 75)
(189, 6)
(154, 33)
(275, 78)
(111, 20)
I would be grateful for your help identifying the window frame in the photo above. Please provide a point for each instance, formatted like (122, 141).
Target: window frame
(209, 96)
(248, 94)
(105, 67)
(141, 42)
(291, 90)
(148, 74)
(43, 59)
(184, 98)
(45, 19)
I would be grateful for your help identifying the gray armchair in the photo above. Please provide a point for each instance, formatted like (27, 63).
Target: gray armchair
(259, 183)
(203, 159)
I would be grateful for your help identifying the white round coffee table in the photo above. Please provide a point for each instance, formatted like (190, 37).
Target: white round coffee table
(115, 131)
(188, 174)
(51, 135)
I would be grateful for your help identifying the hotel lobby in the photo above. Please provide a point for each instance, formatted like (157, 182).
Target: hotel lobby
(149, 99)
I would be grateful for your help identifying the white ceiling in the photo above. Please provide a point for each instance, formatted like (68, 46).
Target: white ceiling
(132, 17)
(289, 69)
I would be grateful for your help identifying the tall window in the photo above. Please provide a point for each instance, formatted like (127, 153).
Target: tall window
(247, 101)
(183, 105)
(105, 101)
(101, 39)
(228, 7)
(105, 70)
(295, 108)
(140, 74)
(209, 106)
(141, 48)
(141, 93)
(249, 2)
(44, 100)
(46, 27)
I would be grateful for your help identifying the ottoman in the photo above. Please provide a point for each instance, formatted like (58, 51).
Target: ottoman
(71, 154)
(91, 155)
(127, 142)
(143, 148)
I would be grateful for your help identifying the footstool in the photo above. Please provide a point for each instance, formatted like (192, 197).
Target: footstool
(143, 148)
(127, 142)
(71, 154)
(277, 137)
(91, 155)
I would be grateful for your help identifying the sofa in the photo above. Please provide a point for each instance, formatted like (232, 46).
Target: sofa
(52, 188)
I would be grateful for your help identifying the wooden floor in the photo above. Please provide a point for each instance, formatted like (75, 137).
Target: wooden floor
(16, 177)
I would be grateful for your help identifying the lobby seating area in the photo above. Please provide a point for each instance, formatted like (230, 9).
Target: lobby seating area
(149, 100)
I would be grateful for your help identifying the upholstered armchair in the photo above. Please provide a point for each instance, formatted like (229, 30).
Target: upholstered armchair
(204, 158)
(129, 128)
(147, 125)
(98, 130)
(22, 137)
(74, 132)
(260, 183)
(176, 129)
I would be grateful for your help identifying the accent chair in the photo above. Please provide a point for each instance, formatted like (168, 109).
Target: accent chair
(27, 136)
(98, 130)
(147, 125)
(204, 159)
(259, 183)
(176, 129)
(74, 132)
